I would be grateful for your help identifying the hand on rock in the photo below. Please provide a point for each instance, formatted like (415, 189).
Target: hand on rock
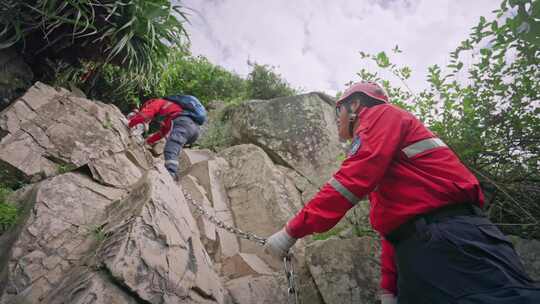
(279, 243)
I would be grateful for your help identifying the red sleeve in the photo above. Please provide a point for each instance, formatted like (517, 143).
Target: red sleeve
(135, 120)
(147, 112)
(154, 138)
(380, 135)
(321, 214)
(388, 268)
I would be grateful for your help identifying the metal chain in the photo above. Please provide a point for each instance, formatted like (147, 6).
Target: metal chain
(289, 273)
(238, 232)
(292, 296)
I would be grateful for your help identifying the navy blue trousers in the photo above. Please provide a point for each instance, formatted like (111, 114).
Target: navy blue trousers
(461, 259)
(183, 131)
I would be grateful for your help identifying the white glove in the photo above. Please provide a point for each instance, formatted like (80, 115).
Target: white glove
(388, 298)
(131, 114)
(279, 243)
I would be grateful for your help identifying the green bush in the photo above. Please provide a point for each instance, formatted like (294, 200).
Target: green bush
(195, 75)
(217, 136)
(264, 83)
(9, 214)
(177, 73)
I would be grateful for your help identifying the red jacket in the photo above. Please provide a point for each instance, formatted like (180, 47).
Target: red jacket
(161, 107)
(403, 168)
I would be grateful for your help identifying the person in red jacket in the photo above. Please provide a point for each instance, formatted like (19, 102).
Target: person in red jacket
(437, 246)
(178, 129)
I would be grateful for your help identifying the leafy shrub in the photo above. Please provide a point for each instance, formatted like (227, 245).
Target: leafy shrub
(264, 83)
(8, 214)
(127, 33)
(177, 73)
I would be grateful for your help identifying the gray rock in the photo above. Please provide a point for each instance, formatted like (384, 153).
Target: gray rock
(209, 238)
(85, 286)
(59, 234)
(299, 132)
(209, 175)
(48, 132)
(345, 271)
(261, 197)
(257, 290)
(244, 264)
(153, 246)
(189, 157)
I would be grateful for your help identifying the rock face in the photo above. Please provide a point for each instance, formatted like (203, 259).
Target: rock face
(57, 235)
(298, 132)
(261, 197)
(48, 132)
(345, 271)
(152, 246)
(15, 76)
(103, 222)
(145, 241)
(116, 230)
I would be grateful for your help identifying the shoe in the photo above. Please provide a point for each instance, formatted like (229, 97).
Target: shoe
(174, 176)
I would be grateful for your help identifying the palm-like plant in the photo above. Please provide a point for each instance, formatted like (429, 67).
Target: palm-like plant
(125, 32)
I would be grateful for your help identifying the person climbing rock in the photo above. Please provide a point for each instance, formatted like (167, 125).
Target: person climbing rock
(437, 244)
(182, 116)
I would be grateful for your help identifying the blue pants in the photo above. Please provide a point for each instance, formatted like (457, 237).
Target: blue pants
(461, 259)
(183, 131)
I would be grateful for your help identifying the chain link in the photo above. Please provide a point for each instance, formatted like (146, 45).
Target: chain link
(289, 273)
(238, 232)
(292, 296)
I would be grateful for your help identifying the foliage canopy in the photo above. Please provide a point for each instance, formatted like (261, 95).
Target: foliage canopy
(125, 32)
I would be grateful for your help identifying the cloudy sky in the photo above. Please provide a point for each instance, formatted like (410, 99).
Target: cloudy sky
(315, 44)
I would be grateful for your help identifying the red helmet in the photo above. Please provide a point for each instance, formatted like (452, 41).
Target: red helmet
(371, 89)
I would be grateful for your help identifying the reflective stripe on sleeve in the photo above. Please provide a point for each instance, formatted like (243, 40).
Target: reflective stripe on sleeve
(171, 161)
(351, 197)
(422, 146)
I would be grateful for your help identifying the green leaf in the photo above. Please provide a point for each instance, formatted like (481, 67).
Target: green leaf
(382, 60)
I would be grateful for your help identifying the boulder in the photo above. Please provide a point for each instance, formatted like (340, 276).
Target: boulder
(244, 264)
(345, 271)
(189, 157)
(209, 175)
(262, 198)
(191, 185)
(298, 132)
(83, 240)
(258, 290)
(153, 248)
(85, 286)
(15, 76)
(120, 170)
(302, 184)
(49, 131)
(60, 232)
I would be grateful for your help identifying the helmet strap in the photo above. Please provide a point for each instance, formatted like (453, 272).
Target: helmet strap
(353, 117)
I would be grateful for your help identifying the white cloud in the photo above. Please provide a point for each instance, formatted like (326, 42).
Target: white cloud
(315, 43)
